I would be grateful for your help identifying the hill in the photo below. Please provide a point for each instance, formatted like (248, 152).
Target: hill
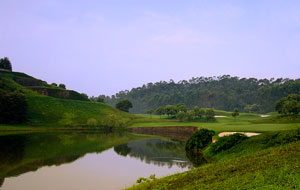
(268, 161)
(223, 93)
(73, 109)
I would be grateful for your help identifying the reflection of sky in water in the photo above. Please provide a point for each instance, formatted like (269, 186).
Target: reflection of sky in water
(103, 171)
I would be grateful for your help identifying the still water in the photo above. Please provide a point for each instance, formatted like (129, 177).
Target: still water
(86, 160)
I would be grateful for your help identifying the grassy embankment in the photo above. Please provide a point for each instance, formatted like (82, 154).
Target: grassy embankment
(46, 112)
(268, 161)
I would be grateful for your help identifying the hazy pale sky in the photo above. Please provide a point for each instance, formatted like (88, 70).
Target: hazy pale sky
(104, 46)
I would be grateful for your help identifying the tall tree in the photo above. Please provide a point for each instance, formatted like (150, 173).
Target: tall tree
(160, 111)
(210, 114)
(124, 105)
(289, 105)
(235, 112)
(5, 64)
(150, 112)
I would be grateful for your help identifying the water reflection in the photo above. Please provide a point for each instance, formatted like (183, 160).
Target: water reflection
(157, 151)
(28, 152)
(114, 154)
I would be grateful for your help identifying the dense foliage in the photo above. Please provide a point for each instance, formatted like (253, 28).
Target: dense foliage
(5, 64)
(124, 105)
(181, 113)
(224, 93)
(199, 140)
(235, 112)
(13, 104)
(226, 142)
(289, 105)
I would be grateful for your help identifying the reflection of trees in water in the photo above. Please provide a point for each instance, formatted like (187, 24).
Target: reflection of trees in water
(158, 152)
(196, 157)
(11, 149)
(122, 150)
(28, 152)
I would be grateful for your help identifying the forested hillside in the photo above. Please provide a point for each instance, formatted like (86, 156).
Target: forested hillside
(223, 92)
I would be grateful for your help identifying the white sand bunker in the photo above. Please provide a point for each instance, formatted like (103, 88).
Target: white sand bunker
(264, 115)
(220, 116)
(245, 133)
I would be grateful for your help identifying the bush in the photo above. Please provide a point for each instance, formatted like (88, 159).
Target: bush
(210, 115)
(124, 105)
(226, 142)
(13, 107)
(92, 122)
(63, 86)
(199, 140)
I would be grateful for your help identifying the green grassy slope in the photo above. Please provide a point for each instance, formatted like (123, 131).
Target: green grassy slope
(269, 161)
(49, 111)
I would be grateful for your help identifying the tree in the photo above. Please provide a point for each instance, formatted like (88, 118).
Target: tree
(171, 110)
(210, 114)
(160, 111)
(199, 140)
(181, 115)
(13, 107)
(254, 108)
(150, 112)
(181, 107)
(85, 97)
(198, 112)
(53, 84)
(5, 64)
(63, 86)
(288, 105)
(190, 115)
(100, 99)
(235, 112)
(124, 105)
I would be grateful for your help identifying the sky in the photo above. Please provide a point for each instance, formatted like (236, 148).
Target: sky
(104, 46)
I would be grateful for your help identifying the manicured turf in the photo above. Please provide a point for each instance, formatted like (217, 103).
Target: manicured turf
(243, 123)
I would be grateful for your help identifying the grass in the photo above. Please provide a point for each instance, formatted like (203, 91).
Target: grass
(52, 112)
(243, 123)
(269, 161)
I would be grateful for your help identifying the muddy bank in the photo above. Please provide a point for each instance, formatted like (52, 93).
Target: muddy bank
(182, 133)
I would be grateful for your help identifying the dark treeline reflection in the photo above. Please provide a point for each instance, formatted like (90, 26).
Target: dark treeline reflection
(28, 152)
(160, 152)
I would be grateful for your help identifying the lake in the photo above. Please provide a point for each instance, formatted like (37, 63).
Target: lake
(85, 160)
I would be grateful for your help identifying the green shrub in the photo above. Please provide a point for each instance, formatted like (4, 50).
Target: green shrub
(13, 107)
(199, 140)
(226, 142)
(92, 122)
(281, 138)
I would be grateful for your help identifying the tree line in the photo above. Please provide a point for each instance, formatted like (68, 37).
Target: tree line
(181, 112)
(224, 92)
